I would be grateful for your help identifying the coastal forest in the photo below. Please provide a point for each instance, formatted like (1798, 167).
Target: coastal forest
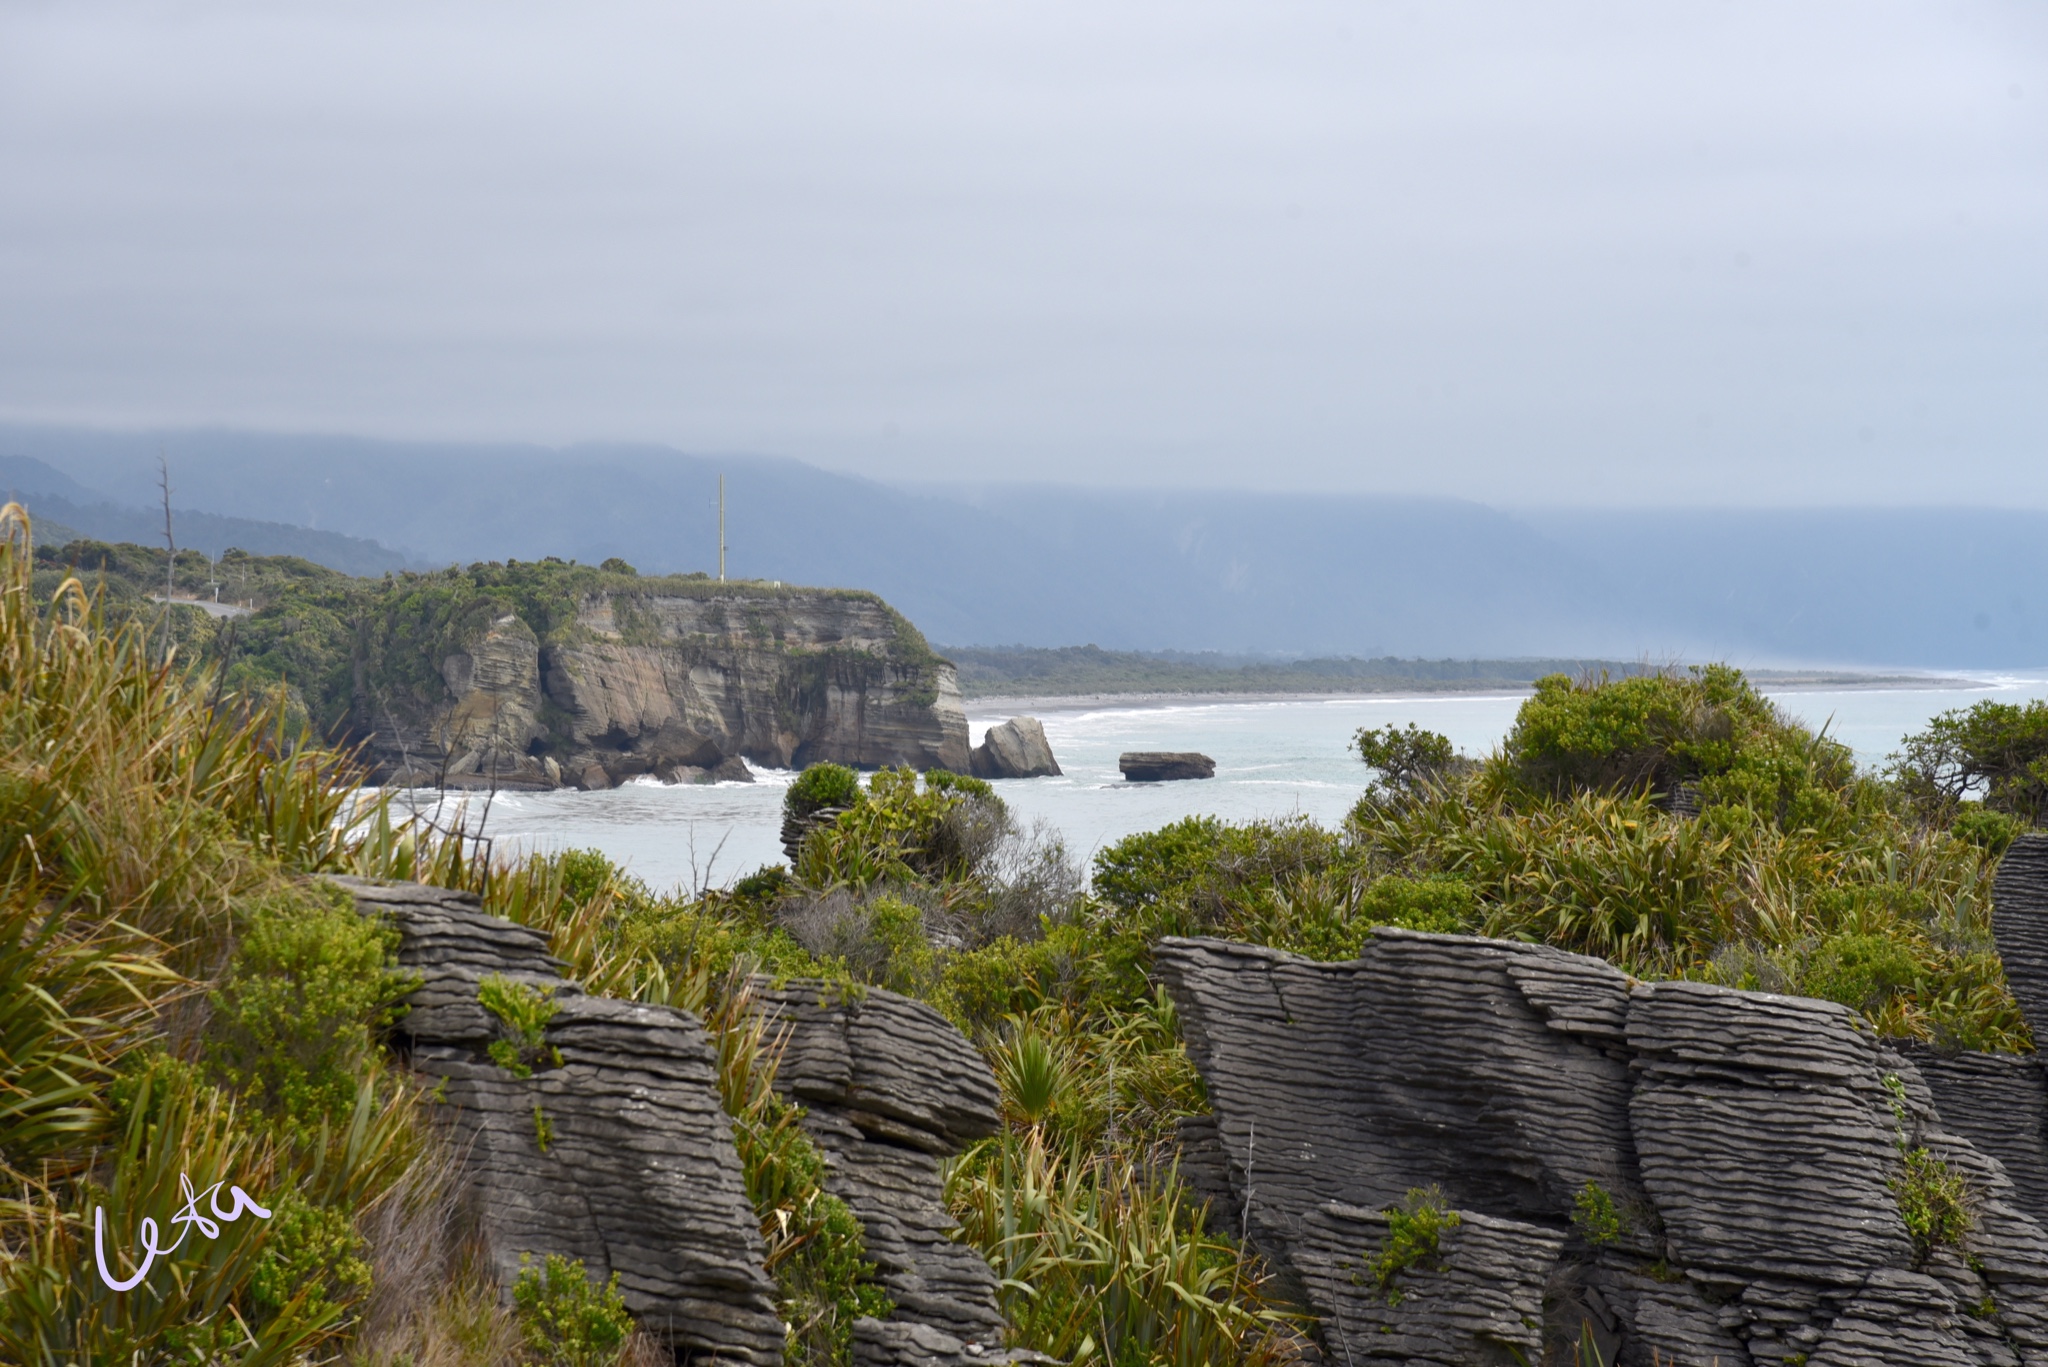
(182, 990)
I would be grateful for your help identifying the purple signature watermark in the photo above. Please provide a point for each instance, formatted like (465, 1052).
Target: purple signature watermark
(240, 1201)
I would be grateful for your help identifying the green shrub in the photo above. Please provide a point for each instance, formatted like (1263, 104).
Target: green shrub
(820, 786)
(1100, 1263)
(1595, 1217)
(296, 1022)
(1415, 1230)
(1989, 830)
(1934, 1200)
(1860, 971)
(312, 1247)
(1405, 761)
(1997, 749)
(566, 1319)
(523, 1013)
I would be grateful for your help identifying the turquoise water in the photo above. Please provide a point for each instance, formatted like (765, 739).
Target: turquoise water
(1273, 758)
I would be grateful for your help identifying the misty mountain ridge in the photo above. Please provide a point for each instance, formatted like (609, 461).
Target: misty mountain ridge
(63, 509)
(1258, 574)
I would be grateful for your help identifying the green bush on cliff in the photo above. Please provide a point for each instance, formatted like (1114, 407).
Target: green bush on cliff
(1994, 750)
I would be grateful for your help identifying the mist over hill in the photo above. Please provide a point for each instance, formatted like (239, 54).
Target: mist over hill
(64, 509)
(1274, 574)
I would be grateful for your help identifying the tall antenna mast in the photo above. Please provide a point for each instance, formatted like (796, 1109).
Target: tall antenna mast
(721, 529)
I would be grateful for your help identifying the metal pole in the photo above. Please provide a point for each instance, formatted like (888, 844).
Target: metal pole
(721, 529)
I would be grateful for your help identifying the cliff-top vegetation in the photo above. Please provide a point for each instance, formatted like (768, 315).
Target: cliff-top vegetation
(176, 989)
(345, 647)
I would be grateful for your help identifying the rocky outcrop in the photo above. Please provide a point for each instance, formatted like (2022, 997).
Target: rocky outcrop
(1162, 766)
(1749, 1146)
(1015, 749)
(615, 1150)
(2019, 918)
(672, 683)
(891, 1090)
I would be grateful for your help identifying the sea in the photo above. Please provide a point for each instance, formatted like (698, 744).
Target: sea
(1278, 756)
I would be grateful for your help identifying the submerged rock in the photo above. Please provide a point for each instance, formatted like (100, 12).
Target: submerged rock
(1016, 749)
(1161, 766)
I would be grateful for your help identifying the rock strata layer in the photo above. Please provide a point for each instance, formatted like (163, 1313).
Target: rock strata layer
(615, 1151)
(1015, 749)
(672, 685)
(1164, 766)
(891, 1089)
(1672, 1171)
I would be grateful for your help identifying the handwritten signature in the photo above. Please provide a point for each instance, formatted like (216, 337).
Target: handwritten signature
(189, 1216)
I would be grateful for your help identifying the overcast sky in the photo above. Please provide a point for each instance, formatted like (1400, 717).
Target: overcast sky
(1721, 252)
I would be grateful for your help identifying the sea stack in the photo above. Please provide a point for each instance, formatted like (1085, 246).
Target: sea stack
(1162, 766)
(1016, 749)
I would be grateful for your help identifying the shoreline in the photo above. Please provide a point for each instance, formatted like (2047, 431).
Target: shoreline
(1789, 681)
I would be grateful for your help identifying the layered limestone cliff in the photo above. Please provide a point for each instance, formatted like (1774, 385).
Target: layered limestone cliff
(676, 685)
(614, 1148)
(1754, 1156)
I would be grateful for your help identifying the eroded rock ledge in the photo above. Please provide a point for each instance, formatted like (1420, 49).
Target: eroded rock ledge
(638, 1174)
(621, 1155)
(1750, 1143)
(891, 1089)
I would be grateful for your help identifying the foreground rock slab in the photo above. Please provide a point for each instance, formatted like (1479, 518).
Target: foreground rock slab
(1668, 1172)
(1016, 749)
(620, 1154)
(1164, 766)
(891, 1090)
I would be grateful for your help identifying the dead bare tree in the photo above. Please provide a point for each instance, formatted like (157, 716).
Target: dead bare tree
(163, 482)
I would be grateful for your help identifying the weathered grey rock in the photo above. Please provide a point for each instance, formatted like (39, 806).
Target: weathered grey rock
(1999, 1102)
(1751, 1144)
(796, 828)
(1478, 1303)
(642, 682)
(1741, 1097)
(731, 769)
(891, 1089)
(1164, 766)
(621, 1155)
(1419, 1064)
(2019, 920)
(1016, 749)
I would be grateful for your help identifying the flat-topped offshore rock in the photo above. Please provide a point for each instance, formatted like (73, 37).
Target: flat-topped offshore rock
(1164, 766)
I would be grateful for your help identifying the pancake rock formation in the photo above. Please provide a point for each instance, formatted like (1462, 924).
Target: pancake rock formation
(1163, 766)
(671, 683)
(615, 1150)
(891, 1089)
(1668, 1172)
(1016, 749)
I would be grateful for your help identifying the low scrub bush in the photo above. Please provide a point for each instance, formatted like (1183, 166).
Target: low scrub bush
(1415, 1230)
(297, 1020)
(565, 1318)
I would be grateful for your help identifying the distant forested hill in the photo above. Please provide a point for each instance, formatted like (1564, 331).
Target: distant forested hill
(1292, 575)
(65, 510)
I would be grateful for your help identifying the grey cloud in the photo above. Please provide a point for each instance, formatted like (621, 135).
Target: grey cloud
(1709, 252)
